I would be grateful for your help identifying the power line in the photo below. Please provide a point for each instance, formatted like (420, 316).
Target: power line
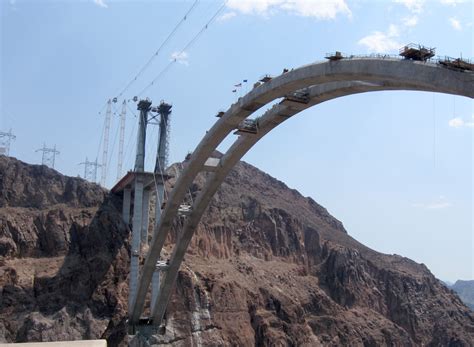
(170, 35)
(189, 44)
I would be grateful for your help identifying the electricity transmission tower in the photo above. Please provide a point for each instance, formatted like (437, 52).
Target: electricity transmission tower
(49, 155)
(121, 139)
(90, 170)
(5, 141)
(105, 152)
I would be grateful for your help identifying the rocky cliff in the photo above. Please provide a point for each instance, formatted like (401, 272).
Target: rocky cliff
(267, 267)
(465, 290)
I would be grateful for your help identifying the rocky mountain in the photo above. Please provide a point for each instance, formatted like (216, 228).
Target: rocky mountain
(465, 290)
(267, 267)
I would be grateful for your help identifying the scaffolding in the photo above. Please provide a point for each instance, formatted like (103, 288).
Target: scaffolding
(300, 96)
(265, 78)
(417, 52)
(457, 63)
(247, 126)
(335, 56)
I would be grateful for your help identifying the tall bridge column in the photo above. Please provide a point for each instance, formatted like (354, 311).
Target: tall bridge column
(144, 108)
(127, 196)
(136, 232)
(155, 281)
(161, 157)
(145, 218)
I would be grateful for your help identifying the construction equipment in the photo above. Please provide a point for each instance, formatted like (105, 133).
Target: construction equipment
(418, 52)
(184, 210)
(457, 63)
(265, 78)
(335, 56)
(247, 126)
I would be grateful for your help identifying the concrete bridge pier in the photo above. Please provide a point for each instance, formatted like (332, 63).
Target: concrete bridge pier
(127, 197)
(145, 218)
(136, 233)
(155, 281)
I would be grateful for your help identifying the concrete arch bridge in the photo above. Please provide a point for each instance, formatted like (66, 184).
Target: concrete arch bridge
(298, 90)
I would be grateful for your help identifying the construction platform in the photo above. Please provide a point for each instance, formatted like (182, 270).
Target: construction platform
(457, 63)
(414, 51)
(335, 56)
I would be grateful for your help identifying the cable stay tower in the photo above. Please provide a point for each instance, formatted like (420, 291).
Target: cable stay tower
(5, 142)
(90, 170)
(49, 155)
(105, 150)
(123, 115)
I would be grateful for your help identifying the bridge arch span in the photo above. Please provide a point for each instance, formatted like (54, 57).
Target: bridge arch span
(322, 81)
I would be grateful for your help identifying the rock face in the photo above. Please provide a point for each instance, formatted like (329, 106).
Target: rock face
(266, 267)
(465, 290)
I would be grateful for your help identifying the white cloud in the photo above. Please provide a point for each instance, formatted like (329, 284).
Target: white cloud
(380, 42)
(410, 21)
(180, 57)
(415, 6)
(226, 16)
(438, 204)
(455, 23)
(101, 3)
(393, 31)
(458, 122)
(452, 2)
(327, 9)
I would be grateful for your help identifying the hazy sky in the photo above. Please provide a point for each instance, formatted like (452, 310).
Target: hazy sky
(394, 167)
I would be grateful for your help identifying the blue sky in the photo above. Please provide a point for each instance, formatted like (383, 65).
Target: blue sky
(394, 167)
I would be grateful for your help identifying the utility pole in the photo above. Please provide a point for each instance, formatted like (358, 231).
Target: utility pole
(49, 155)
(5, 141)
(90, 170)
(121, 139)
(105, 152)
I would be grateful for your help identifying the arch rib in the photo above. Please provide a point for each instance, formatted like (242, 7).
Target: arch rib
(394, 74)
